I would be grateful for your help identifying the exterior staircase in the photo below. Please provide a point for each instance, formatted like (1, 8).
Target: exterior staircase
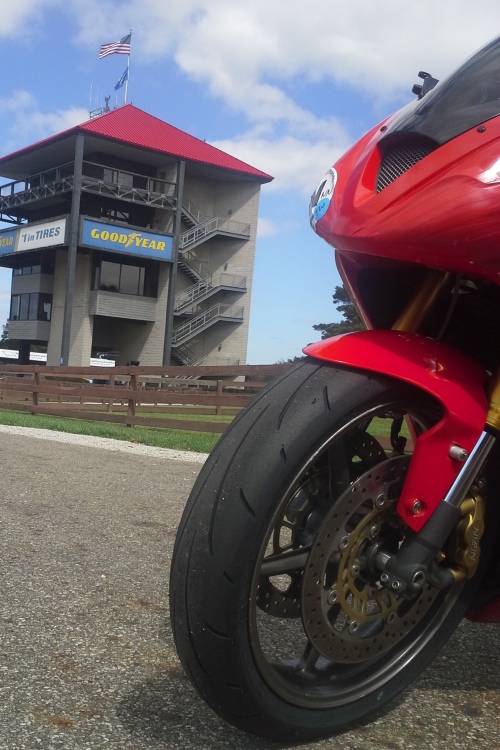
(204, 285)
(202, 321)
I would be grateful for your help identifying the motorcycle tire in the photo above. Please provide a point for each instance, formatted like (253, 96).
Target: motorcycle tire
(278, 615)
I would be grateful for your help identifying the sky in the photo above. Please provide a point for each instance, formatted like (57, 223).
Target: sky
(285, 86)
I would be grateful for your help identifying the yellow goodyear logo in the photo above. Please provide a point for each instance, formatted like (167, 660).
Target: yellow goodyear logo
(134, 239)
(6, 241)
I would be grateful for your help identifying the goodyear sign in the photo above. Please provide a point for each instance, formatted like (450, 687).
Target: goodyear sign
(8, 239)
(122, 239)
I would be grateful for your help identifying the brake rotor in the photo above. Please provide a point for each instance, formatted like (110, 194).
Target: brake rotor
(347, 614)
(280, 596)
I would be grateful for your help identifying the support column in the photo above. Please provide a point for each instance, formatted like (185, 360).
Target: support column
(172, 278)
(74, 222)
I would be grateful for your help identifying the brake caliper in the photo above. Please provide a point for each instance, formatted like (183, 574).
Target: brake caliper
(462, 551)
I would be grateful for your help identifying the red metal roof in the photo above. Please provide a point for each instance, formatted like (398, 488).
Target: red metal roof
(131, 125)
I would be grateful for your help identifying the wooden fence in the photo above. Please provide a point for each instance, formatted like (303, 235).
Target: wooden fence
(135, 395)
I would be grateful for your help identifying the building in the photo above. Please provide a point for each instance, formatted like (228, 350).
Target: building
(131, 240)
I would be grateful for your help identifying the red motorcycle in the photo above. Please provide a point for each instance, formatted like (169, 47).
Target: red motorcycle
(349, 518)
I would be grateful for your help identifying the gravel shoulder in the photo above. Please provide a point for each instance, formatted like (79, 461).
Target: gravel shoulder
(135, 449)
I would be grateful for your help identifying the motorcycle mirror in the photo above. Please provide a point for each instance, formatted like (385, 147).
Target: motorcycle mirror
(421, 89)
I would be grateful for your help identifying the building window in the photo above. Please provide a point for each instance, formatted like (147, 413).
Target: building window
(125, 278)
(36, 306)
(34, 264)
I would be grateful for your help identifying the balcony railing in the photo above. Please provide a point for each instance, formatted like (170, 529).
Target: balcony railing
(97, 178)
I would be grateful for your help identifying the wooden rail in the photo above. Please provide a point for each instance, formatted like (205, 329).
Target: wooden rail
(123, 394)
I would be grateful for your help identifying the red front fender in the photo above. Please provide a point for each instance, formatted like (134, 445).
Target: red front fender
(450, 376)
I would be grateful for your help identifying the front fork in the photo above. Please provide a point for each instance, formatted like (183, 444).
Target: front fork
(440, 493)
(461, 509)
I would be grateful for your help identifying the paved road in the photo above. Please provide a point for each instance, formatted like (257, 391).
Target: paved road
(87, 658)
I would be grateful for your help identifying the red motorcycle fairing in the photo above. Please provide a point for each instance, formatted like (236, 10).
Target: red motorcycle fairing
(454, 379)
(442, 213)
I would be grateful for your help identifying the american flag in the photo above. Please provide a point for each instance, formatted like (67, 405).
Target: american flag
(119, 48)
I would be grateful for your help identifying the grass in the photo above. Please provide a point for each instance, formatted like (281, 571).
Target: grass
(185, 440)
(199, 442)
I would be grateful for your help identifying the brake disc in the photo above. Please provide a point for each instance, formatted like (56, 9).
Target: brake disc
(280, 596)
(347, 614)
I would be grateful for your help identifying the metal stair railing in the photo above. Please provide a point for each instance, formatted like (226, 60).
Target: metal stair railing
(185, 354)
(188, 329)
(193, 267)
(189, 296)
(191, 214)
(201, 231)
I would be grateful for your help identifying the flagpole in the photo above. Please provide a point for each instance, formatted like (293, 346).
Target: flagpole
(128, 69)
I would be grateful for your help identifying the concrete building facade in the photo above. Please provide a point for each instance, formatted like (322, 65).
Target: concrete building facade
(130, 240)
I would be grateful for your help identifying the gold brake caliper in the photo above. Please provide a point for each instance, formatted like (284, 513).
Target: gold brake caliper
(463, 548)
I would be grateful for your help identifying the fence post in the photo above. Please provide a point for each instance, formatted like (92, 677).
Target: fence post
(111, 399)
(36, 381)
(219, 397)
(134, 386)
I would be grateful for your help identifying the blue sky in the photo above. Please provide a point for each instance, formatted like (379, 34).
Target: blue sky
(287, 87)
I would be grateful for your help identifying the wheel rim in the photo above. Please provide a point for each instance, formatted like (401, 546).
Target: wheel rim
(323, 631)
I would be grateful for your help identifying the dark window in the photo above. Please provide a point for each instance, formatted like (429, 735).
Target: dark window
(126, 278)
(34, 263)
(15, 307)
(110, 276)
(25, 307)
(33, 307)
(36, 306)
(129, 279)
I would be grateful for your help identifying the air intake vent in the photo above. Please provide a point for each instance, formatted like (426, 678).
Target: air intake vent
(399, 157)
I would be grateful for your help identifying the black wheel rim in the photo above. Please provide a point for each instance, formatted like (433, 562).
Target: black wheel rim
(323, 632)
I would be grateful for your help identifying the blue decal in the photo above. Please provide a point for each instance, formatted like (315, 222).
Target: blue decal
(321, 199)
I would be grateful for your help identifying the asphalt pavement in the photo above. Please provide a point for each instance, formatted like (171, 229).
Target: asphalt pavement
(86, 654)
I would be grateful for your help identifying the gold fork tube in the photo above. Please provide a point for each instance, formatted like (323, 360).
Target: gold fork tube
(493, 418)
(423, 301)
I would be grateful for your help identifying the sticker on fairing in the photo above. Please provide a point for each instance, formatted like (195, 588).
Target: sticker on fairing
(320, 200)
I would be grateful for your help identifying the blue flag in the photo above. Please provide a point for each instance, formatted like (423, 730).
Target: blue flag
(123, 78)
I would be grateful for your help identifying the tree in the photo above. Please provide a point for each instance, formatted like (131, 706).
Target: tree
(351, 321)
(5, 334)
(5, 342)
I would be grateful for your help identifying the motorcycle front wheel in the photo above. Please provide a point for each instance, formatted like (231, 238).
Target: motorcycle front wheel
(277, 609)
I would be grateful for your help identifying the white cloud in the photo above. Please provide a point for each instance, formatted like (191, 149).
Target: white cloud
(296, 164)
(21, 16)
(28, 124)
(231, 47)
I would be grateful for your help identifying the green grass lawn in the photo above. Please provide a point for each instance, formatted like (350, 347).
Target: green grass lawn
(186, 440)
(200, 442)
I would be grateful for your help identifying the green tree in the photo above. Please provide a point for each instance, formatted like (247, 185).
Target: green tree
(5, 342)
(4, 338)
(351, 320)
